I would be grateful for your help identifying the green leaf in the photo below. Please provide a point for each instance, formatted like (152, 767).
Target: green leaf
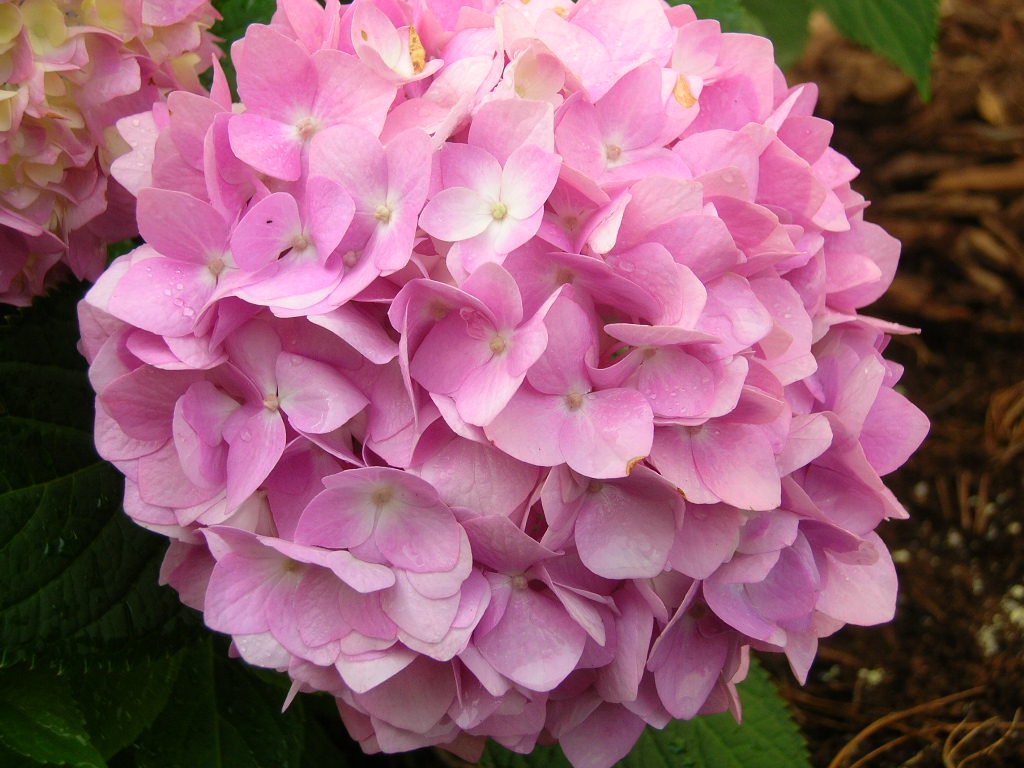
(729, 13)
(43, 722)
(903, 31)
(76, 575)
(220, 715)
(121, 700)
(9, 759)
(786, 24)
(768, 738)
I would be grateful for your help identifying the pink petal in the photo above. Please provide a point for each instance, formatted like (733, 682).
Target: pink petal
(608, 434)
(425, 619)
(527, 180)
(265, 231)
(163, 296)
(355, 158)
(276, 77)
(456, 213)
(423, 539)
(269, 146)
(541, 658)
(314, 395)
(335, 519)
(504, 125)
(254, 452)
(349, 92)
(528, 428)
(604, 738)
(625, 529)
(737, 464)
(464, 165)
(161, 213)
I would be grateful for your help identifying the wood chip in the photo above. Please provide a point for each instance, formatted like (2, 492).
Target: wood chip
(982, 178)
(926, 204)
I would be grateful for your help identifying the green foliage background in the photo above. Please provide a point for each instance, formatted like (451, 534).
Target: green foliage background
(101, 667)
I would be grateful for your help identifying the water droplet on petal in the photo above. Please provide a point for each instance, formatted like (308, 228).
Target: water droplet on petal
(246, 435)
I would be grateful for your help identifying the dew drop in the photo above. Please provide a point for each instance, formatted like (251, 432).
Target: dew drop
(179, 287)
(167, 291)
(187, 312)
(136, 122)
(179, 303)
(246, 435)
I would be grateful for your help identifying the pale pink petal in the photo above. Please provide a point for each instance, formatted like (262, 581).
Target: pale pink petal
(625, 528)
(163, 296)
(609, 433)
(456, 213)
(527, 180)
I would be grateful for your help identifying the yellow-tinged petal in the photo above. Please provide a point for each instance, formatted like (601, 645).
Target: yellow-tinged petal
(10, 23)
(108, 14)
(683, 93)
(45, 23)
(417, 52)
(6, 110)
(44, 174)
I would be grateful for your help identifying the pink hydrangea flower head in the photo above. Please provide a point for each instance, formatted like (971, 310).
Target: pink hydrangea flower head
(499, 368)
(73, 69)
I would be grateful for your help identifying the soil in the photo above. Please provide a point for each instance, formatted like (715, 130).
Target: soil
(943, 685)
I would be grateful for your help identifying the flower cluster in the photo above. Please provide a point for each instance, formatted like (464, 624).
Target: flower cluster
(70, 70)
(497, 367)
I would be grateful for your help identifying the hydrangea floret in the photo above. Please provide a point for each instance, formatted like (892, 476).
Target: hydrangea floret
(498, 367)
(70, 70)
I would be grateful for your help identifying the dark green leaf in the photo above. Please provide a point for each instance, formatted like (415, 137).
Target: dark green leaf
(9, 759)
(220, 715)
(43, 722)
(120, 700)
(496, 756)
(76, 576)
(786, 24)
(904, 31)
(768, 738)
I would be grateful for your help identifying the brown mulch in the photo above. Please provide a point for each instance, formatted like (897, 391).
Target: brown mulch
(943, 685)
